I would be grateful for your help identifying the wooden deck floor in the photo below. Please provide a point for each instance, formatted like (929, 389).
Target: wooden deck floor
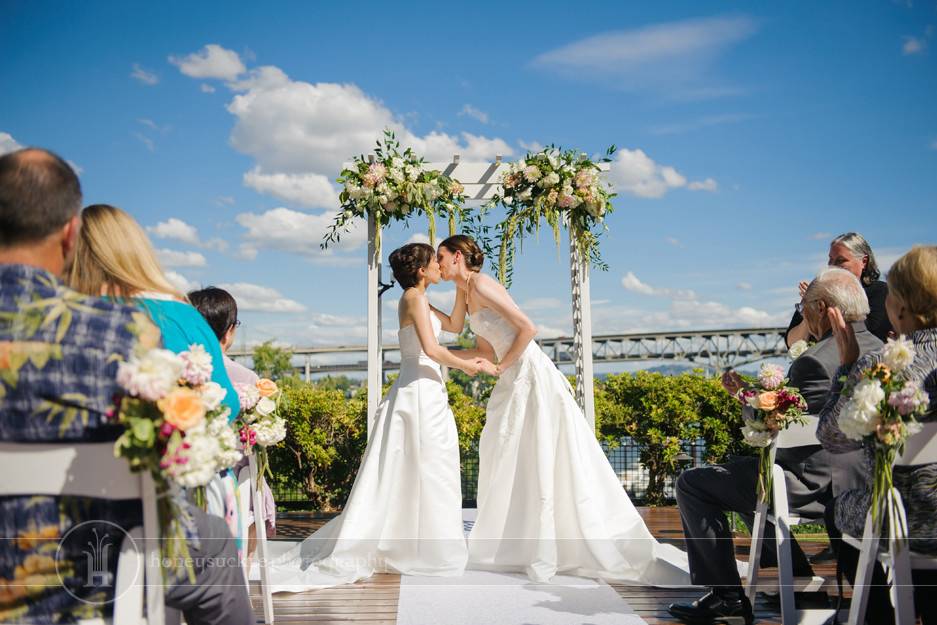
(374, 601)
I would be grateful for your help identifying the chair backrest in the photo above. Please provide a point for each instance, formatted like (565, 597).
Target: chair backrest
(799, 435)
(76, 469)
(920, 448)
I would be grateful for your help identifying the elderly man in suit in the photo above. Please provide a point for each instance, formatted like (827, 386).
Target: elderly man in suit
(813, 475)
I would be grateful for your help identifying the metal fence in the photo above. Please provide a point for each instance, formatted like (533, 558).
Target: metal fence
(625, 459)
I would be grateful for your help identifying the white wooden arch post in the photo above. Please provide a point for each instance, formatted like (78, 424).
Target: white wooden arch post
(481, 180)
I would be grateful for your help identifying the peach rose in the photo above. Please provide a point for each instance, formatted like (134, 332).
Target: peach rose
(768, 400)
(267, 388)
(182, 408)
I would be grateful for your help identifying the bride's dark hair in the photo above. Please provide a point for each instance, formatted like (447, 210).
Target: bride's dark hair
(407, 261)
(473, 255)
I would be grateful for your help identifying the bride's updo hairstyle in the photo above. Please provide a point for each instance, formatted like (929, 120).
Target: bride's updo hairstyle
(473, 255)
(407, 261)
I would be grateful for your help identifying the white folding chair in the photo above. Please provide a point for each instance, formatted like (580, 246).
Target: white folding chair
(897, 556)
(248, 492)
(91, 470)
(783, 519)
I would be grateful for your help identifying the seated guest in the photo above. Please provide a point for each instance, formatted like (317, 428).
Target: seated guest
(221, 312)
(39, 227)
(912, 309)
(114, 258)
(853, 253)
(705, 493)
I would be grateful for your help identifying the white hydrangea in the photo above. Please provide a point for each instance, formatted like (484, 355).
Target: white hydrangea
(755, 437)
(200, 458)
(860, 415)
(212, 395)
(898, 354)
(152, 376)
(270, 431)
(197, 365)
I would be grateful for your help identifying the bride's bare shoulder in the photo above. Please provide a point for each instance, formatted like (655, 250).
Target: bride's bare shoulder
(488, 287)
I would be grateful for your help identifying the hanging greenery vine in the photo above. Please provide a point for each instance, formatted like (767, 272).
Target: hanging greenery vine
(560, 187)
(392, 187)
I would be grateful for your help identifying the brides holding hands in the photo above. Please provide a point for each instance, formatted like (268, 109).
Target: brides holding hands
(548, 499)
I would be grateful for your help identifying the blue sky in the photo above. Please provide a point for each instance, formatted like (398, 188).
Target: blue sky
(749, 134)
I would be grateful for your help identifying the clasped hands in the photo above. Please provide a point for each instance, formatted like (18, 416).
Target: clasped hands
(481, 365)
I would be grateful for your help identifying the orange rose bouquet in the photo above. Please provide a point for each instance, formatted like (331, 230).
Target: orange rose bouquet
(768, 406)
(259, 423)
(175, 427)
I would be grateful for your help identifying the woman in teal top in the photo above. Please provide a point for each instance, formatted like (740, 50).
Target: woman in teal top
(182, 325)
(114, 258)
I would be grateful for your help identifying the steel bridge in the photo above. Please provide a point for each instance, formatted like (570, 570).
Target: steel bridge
(716, 350)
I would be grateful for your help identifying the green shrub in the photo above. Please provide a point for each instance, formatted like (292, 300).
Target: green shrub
(660, 412)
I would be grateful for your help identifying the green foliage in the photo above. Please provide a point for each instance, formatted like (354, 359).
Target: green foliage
(478, 387)
(469, 416)
(325, 437)
(660, 411)
(272, 362)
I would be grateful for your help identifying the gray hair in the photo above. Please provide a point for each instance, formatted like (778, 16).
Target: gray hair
(840, 288)
(856, 243)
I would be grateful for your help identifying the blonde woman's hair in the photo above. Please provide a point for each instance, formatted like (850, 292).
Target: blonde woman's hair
(114, 257)
(913, 279)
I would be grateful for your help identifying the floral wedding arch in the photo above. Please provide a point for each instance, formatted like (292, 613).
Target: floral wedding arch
(560, 188)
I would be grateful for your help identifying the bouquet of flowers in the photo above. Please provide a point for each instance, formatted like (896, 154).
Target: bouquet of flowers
(176, 428)
(259, 423)
(768, 406)
(881, 412)
(392, 187)
(558, 186)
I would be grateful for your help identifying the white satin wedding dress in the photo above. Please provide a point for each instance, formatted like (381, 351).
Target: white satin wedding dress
(548, 499)
(404, 512)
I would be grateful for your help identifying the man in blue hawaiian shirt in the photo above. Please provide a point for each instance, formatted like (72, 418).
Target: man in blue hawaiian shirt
(59, 353)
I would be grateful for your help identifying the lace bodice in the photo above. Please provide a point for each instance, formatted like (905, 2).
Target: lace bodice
(489, 325)
(410, 347)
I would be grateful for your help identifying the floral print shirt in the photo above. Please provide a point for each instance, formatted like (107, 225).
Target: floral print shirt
(59, 352)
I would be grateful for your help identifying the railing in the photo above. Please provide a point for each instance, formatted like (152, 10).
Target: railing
(717, 349)
(625, 460)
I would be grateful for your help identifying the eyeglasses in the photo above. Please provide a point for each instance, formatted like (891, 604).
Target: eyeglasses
(237, 323)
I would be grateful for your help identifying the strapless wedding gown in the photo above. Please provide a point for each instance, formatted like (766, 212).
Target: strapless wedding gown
(404, 512)
(548, 499)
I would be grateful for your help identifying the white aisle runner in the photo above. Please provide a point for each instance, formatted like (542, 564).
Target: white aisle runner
(488, 598)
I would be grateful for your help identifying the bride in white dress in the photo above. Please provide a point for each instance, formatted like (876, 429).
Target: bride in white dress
(404, 512)
(548, 499)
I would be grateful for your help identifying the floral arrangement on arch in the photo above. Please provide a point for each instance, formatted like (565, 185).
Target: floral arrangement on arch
(392, 187)
(881, 412)
(177, 429)
(559, 187)
(260, 426)
(768, 406)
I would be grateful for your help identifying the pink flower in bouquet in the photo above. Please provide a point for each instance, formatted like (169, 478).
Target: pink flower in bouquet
(152, 376)
(370, 180)
(248, 395)
(787, 399)
(909, 399)
(248, 436)
(771, 376)
(197, 365)
(456, 188)
(768, 400)
(378, 170)
(584, 179)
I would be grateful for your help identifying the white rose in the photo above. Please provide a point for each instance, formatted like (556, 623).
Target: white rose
(524, 195)
(756, 438)
(532, 173)
(265, 406)
(867, 396)
(797, 349)
(212, 394)
(898, 354)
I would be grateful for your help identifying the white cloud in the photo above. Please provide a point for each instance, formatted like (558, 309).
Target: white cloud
(224, 200)
(254, 297)
(149, 143)
(206, 88)
(8, 143)
(541, 303)
(703, 185)
(744, 286)
(179, 230)
(175, 258)
(632, 283)
(306, 189)
(287, 230)
(634, 172)
(913, 45)
(144, 76)
(181, 282)
(821, 236)
(533, 146)
(674, 241)
(212, 61)
(418, 237)
(676, 57)
(443, 300)
(470, 111)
